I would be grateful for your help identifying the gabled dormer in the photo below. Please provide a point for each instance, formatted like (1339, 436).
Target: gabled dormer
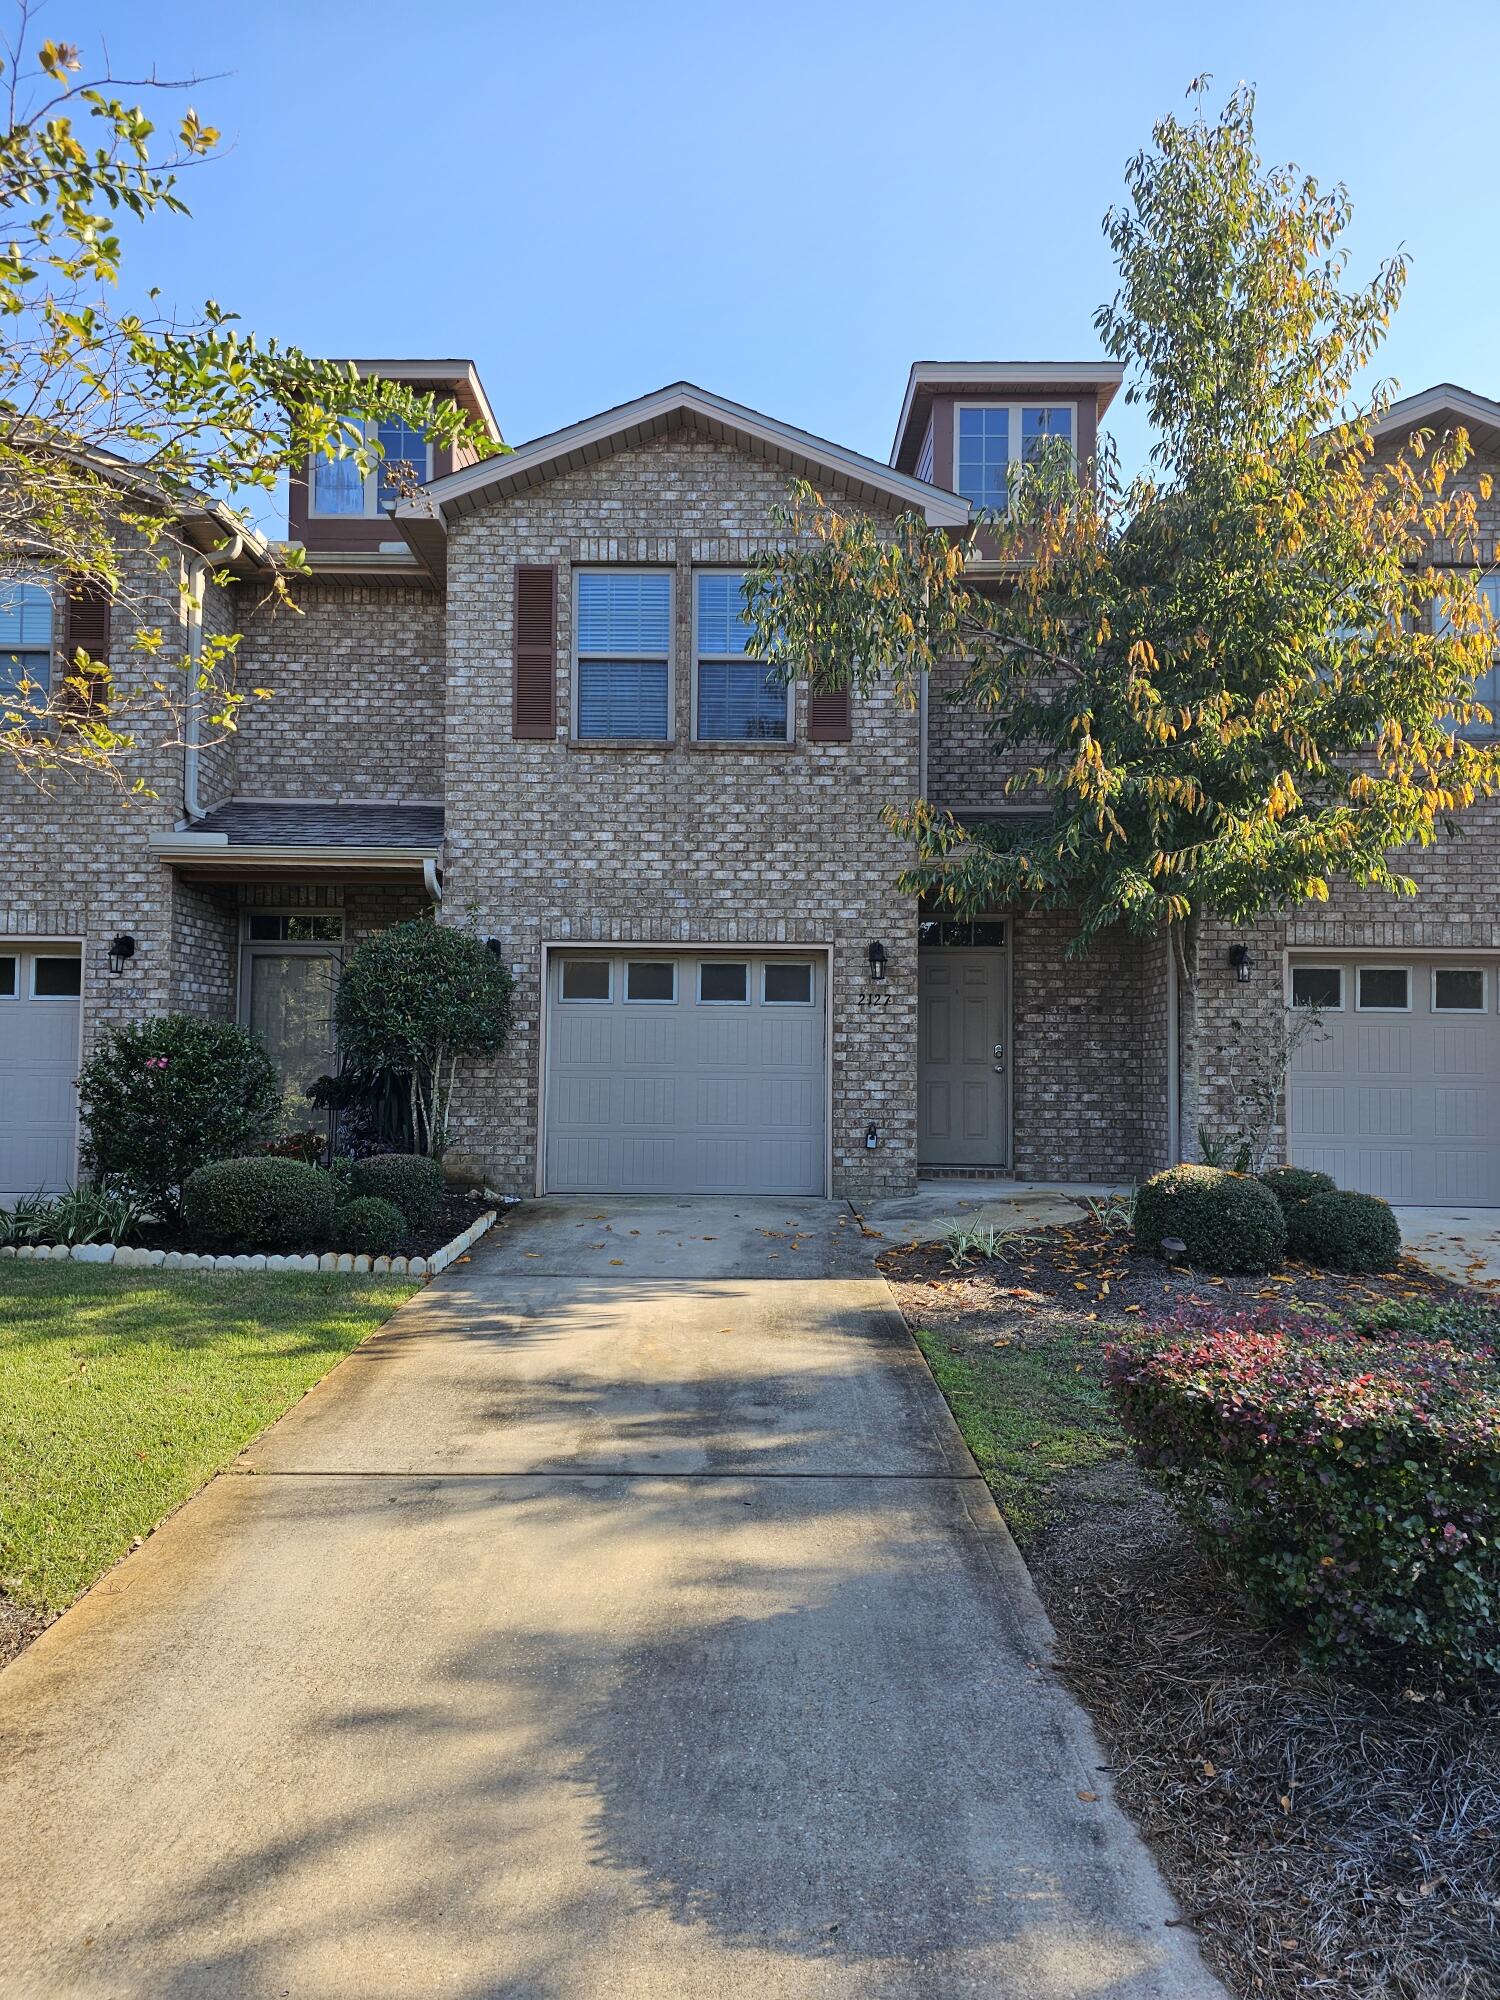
(965, 423)
(333, 511)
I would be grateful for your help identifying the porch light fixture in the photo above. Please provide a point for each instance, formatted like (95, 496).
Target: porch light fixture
(121, 951)
(877, 960)
(1243, 963)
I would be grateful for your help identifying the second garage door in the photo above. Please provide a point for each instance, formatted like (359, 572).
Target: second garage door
(39, 1008)
(1398, 1093)
(685, 1073)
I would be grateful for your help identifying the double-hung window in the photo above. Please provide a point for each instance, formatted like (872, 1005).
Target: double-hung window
(736, 699)
(624, 654)
(1487, 684)
(339, 489)
(992, 438)
(25, 640)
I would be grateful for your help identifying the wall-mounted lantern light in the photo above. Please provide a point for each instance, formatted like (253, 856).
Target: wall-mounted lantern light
(1243, 963)
(121, 951)
(877, 960)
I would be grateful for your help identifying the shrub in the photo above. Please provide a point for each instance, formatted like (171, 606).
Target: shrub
(411, 1181)
(258, 1204)
(1350, 1481)
(162, 1098)
(1345, 1232)
(1291, 1185)
(1229, 1222)
(1465, 1323)
(369, 1226)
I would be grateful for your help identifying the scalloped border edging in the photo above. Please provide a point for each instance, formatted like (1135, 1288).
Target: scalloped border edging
(343, 1261)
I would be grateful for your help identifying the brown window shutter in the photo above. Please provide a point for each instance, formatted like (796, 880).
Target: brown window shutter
(830, 718)
(85, 629)
(533, 695)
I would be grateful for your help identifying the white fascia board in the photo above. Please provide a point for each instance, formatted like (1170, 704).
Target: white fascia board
(216, 847)
(441, 372)
(1413, 411)
(941, 508)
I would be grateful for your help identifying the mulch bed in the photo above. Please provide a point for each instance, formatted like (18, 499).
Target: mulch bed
(455, 1215)
(1324, 1837)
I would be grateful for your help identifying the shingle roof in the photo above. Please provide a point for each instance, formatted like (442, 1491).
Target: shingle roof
(247, 823)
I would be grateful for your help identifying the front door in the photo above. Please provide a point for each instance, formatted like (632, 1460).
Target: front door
(963, 1117)
(289, 1004)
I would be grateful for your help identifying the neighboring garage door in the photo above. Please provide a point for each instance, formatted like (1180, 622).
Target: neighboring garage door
(39, 1006)
(689, 1073)
(1399, 1094)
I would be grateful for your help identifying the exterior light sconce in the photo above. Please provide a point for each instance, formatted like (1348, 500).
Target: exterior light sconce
(1243, 963)
(872, 1138)
(121, 951)
(877, 960)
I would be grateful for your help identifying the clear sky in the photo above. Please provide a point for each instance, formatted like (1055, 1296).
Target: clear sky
(787, 204)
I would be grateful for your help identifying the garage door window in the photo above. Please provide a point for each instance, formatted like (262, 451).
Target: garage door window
(652, 981)
(7, 979)
(1459, 989)
(723, 983)
(788, 985)
(1318, 986)
(585, 979)
(56, 978)
(1384, 989)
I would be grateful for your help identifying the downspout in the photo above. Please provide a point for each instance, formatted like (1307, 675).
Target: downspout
(194, 589)
(431, 883)
(1174, 1072)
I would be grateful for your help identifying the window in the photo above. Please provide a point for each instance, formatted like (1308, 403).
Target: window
(585, 979)
(25, 638)
(992, 437)
(624, 653)
(1487, 685)
(1458, 989)
(1384, 989)
(650, 979)
(1320, 986)
(339, 489)
(788, 983)
(56, 978)
(739, 700)
(7, 978)
(294, 927)
(720, 982)
(957, 932)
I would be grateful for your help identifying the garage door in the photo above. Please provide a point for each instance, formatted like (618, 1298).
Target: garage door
(39, 1006)
(1399, 1093)
(685, 1073)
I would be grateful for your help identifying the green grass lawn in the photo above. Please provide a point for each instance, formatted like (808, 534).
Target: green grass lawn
(121, 1392)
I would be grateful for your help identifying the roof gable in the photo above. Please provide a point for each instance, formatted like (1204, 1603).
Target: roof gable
(1442, 407)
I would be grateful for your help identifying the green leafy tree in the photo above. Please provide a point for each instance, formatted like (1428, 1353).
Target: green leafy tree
(1229, 682)
(116, 424)
(421, 997)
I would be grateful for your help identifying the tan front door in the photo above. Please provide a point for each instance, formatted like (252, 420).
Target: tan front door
(963, 1117)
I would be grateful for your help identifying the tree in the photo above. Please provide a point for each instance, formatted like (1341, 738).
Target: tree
(1226, 683)
(419, 998)
(116, 424)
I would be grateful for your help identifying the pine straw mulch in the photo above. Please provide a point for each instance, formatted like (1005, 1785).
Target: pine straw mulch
(1324, 1837)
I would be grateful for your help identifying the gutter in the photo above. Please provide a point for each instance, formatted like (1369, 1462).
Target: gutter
(182, 844)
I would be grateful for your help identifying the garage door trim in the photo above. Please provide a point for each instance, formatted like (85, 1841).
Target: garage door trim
(681, 948)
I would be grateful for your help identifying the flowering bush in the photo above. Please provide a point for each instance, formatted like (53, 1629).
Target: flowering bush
(1351, 1481)
(163, 1097)
(1228, 1222)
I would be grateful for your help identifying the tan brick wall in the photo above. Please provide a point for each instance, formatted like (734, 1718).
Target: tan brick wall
(682, 844)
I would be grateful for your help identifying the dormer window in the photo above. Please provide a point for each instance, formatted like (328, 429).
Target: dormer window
(993, 437)
(339, 492)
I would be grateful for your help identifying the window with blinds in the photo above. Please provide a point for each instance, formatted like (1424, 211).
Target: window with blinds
(25, 639)
(624, 654)
(738, 700)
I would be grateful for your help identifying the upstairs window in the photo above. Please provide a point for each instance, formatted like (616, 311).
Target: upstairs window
(624, 654)
(339, 491)
(25, 639)
(1486, 685)
(738, 700)
(993, 437)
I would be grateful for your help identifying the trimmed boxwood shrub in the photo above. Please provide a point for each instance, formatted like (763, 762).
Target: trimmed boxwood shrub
(369, 1226)
(1228, 1222)
(259, 1204)
(1291, 1185)
(1350, 1481)
(1345, 1232)
(162, 1098)
(412, 1181)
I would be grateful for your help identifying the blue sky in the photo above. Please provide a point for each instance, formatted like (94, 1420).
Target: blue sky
(785, 203)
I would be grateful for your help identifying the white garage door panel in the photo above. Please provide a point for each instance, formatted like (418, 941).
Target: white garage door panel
(684, 1097)
(1406, 1106)
(38, 1067)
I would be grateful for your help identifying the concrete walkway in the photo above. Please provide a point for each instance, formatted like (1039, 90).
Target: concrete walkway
(626, 1620)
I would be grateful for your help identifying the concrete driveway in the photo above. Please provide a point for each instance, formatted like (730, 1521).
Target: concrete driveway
(626, 1620)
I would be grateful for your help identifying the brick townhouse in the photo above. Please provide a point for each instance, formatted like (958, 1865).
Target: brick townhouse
(526, 704)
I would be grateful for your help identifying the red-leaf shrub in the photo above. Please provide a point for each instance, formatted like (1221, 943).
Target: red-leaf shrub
(1350, 1481)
